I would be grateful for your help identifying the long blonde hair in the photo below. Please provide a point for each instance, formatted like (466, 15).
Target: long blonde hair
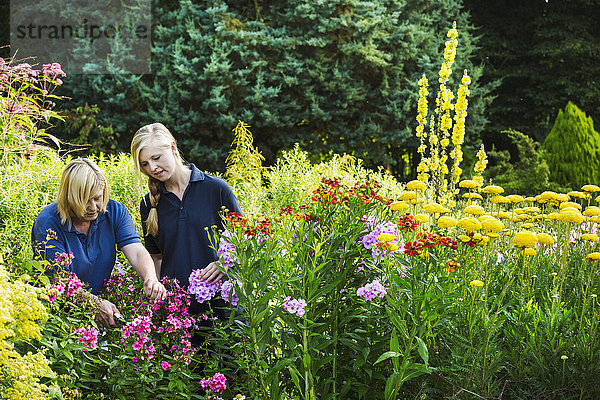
(80, 180)
(157, 135)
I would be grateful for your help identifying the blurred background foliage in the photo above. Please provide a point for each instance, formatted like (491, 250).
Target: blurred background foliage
(341, 77)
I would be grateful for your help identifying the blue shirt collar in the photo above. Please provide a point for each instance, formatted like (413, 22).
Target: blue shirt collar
(196, 176)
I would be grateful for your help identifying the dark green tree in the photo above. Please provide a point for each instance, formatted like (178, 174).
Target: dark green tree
(546, 53)
(572, 149)
(336, 76)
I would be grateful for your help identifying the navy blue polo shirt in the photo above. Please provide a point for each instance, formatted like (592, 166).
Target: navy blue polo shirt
(94, 254)
(182, 239)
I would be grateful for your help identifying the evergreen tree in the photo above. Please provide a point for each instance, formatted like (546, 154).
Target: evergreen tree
(335, 76)
(572, 149)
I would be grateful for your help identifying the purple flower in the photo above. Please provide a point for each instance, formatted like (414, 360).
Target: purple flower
(201, 289)
(165, 365)
(217, 382)
(371, 290)
(294, 306)
(370, 240)
(89, 336)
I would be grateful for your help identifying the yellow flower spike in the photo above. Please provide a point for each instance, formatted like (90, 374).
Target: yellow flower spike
(472, 196)
(446, 222)
(469, 224)
(544, 238)
(474, 210)
(515, 198)
(422, 218)
(499, 199)
(590, 188)
(569, 204)
(528, 225)
(529, 252)
(493, 189)
(416, 185)
(593, 256)
(386, 237)
(476, 283)
(408, 196)
(398, 206)
(592, 211)
(590, 237)
(435, 208)
(469, 184)
(492, 224)
(578, 195)
(525, 239)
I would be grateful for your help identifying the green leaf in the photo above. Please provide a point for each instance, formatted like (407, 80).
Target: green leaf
(387, 355)
(423, 351)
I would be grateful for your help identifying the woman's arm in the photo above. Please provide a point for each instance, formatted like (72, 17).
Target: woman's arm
(157, 258)
(140, 260)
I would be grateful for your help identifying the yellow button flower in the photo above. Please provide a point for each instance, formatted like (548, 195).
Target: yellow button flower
(593, 256)
(492, 224)
(398, 206)
(432, 208)
(416, 185)
(446, 222)
(515, 198)
(529, 252)
(528, 225)
(472, 196)
(578, 195)
(592, 211)
(469, 223)
(544, 238)
(524, 239)
(561, 197)
(590, 237)
(476, 283)
(469, 184)
(590, 188)
(545, 197)
(499, 199)
(493, 189)
(408, 196)
(569, 204)
(386, 237)
(422, 218)
(570, 216)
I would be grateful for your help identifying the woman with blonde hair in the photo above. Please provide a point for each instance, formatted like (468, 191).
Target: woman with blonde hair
(182, 202)
(85, 222)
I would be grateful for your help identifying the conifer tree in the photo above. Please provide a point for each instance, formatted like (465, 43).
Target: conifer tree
(572, 149)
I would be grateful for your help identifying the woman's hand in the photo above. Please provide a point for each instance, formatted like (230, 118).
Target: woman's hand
(105, 314)
(212, 273)
(154, 290)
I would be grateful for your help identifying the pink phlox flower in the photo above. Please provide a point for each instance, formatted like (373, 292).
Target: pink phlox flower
(217, 382)
(371, 290)
(227, 250)
(294, 306)
(201, 289)
(165, 365)
(226, 292)
(89, 336)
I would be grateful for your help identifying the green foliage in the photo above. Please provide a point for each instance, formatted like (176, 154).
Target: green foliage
(572, 149)
(83, 128)
(336, 77)
(526, 173)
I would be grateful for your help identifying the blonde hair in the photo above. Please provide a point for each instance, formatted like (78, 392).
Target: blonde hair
(80, 181)
(157, 135)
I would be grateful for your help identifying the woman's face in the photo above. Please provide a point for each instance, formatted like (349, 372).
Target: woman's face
(157, 162)
(93, 206)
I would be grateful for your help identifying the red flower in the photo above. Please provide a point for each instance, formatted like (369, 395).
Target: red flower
(412, 248)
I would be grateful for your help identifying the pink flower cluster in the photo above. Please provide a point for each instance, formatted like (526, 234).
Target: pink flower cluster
(217, 382)
(201, 289)
(295, 306)
(371, 290)
(226, 292)
(139, 330)
(227, 250)
(89, 336)
(68, 286)
(63, 259)
(53, 71)
(370, 240)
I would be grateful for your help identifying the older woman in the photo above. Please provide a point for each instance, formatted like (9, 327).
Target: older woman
(85, 222)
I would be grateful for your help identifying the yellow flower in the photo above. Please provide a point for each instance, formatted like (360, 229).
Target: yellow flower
(464, 238)
(493, 234)
(569, 204)
(530, 199)
(528, 225)
(386, 237)
(531, 210)
(552, 216)
(422, 218)
(529, 252)
(544, 238)
(469, 184)
(492, 189)
(499, 199)
(408, 195)
(415, 201)
(578, 195)
(435, 208)
(545, 197)
(570, 216)
(492, 224)
(515, 198)
(474, 209)
(524, 239)
(469, 223)
(502, 215)
(564, 358)
(398, 206)
(592, 211)
(589, 237)
(561, 197)
(472, 196)
(446, 222)
(476, 283)
(416, 185)
(590, 188)
(593, 256)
